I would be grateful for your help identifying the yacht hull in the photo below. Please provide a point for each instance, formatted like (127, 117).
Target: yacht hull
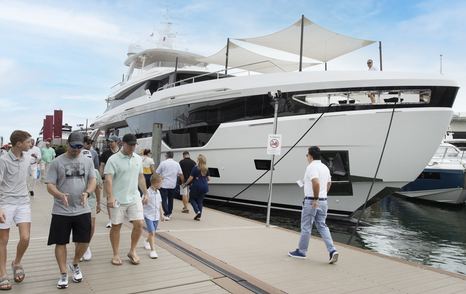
(413, 138)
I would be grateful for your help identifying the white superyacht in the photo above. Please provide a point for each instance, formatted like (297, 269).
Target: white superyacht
(227, 118)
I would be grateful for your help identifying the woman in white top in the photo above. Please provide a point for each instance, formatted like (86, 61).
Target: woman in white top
(148, 166)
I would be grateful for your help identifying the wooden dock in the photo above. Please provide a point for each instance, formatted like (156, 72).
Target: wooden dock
(221, 254)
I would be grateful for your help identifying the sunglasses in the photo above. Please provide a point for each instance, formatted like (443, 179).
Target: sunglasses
(76, 146)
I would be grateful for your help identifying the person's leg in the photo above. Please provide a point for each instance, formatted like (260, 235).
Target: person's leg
(136, 217)
(200, 202)
(151, 238)
(171, 195)
(24, 236)
(60, 255)
(322, 228)
(164, 196)
(147, 178)
(135, 235)
(4, 236)
(30, 180)
(82, 227)
(115, 241)
(193, 201)
(307, 218)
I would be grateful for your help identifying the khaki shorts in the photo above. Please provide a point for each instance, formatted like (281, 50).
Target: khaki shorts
(133, 211)
(15, 214)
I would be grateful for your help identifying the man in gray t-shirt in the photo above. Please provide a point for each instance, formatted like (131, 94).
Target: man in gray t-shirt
(70, 180)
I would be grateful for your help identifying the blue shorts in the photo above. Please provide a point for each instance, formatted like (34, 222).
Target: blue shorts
(151, 225)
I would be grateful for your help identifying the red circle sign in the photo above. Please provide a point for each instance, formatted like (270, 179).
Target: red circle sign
(274, 143)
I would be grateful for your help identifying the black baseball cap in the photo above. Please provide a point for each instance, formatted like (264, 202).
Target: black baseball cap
(76, 138)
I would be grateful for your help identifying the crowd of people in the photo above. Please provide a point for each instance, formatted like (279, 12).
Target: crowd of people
(135, 189)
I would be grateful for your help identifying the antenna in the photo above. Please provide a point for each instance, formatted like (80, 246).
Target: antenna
(441, 64)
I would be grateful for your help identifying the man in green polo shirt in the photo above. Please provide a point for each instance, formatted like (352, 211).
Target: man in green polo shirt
(123, 174)
(48, 154)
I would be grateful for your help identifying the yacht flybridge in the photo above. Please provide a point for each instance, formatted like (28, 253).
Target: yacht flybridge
(227, 117)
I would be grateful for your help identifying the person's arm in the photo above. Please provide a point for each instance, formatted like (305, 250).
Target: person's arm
(53, 190)
(2, 171)
(329, 184)
(315, 191)
(190, 179)
(101, 169)
(152, 168)
(91, 184)
(98, 193)
(109, 191)
(143, 187)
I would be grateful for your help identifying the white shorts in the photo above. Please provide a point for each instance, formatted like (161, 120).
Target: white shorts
(15, 214)
(132, 211)
(183, 191)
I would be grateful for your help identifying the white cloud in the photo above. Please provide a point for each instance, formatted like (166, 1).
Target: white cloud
(60, 19)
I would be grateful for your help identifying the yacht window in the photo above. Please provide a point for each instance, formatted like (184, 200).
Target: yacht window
(365, 96)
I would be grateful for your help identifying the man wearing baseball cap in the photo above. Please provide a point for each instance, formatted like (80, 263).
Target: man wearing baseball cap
(70, 180)
(123, 174)
(113, 148)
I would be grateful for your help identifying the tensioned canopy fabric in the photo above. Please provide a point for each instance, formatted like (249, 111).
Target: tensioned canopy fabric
(318, 42)
(240, 57)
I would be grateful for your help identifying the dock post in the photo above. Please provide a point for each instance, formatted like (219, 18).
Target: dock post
(156, 143)
(272, 162)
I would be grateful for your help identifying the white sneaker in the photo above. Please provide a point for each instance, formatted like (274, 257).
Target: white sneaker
(63, 281)
(166, 218)
(88, 254)
(109, 225)
(77, 274)
(146, 245)
(153, 254)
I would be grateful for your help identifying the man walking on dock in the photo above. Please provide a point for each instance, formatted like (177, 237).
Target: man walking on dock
(70, 180)
(15, 207)
(123, 174)
(317, 183)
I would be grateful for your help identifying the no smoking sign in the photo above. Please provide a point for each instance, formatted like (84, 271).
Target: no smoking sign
(274, 144)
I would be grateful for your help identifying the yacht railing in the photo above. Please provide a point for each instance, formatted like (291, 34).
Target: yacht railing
(217, 72)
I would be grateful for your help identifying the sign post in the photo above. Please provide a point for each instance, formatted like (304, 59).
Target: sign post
(274, 144)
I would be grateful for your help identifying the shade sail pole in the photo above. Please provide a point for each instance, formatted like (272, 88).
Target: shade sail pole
(301, 45)
(380, 54)
(226, 56)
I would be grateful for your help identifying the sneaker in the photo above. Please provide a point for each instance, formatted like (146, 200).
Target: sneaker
(166, 218)
(77, 274)
(146, 245)
(185, 210)
(153, 254)
(333, 257)
(63, 281)
(109, 225)
(296, 254)
(88, 254)
(198, 217)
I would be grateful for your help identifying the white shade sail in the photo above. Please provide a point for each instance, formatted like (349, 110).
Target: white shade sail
(240, 57)
(318, 42)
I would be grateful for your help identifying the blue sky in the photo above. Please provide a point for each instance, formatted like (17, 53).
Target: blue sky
(67, 54)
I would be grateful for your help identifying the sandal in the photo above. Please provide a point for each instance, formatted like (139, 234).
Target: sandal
(18, 272)
(116, 261)
(5, 284)
(133, 260)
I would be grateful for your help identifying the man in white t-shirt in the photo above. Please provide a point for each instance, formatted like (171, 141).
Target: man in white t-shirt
(317, 181)
(34, 155)
(170, 170)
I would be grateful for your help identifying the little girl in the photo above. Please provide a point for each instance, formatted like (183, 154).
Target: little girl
(152, 212)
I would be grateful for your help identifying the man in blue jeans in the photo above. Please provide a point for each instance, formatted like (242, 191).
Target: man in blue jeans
(317, 183)
(170, 170)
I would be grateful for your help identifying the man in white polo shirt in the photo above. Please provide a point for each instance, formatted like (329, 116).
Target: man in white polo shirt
(170, 170)
(123, 174)
(15, 207)
(317, 183)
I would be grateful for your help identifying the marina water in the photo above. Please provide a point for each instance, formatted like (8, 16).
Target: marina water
(428, 234)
